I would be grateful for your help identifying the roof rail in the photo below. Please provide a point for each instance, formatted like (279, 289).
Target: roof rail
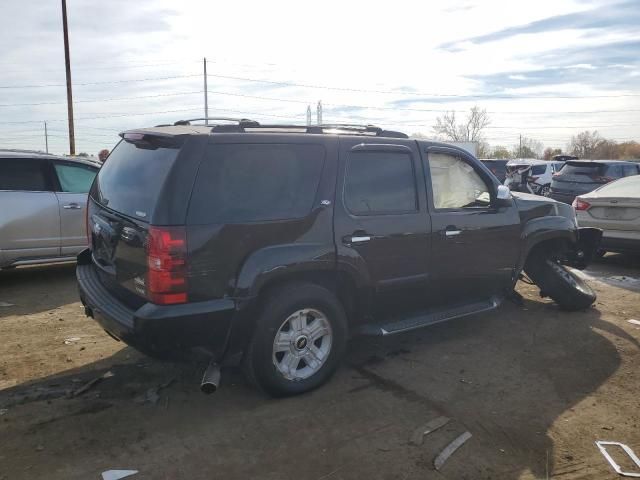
(239, 121)
(242, 124)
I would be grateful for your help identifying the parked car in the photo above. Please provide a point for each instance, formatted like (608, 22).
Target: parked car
(497, 166)
(583, 176)
(614, 208)
(43, 215)
(531, 176)
(270, 245)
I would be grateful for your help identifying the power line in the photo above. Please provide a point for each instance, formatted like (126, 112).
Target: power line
(396, 92)
(131, 80)
(98, 100)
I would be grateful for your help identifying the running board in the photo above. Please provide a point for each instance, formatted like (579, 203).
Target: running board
(429, 317)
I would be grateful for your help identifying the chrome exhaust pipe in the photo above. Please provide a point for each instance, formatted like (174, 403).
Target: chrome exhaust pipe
(210, 379)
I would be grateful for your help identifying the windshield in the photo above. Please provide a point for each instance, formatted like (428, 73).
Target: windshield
(587, 169)
(131, 179)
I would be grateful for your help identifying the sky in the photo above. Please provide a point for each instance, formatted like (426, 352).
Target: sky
(545, 70)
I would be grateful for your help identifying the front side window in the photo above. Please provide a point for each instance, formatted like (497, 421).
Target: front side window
(22, 174)
(380, 183)
(455, 183)
(75, 178)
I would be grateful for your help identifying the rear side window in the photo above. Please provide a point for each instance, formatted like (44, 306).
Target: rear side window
(380, 183)
(614, 171)
(538, 169)
(25, 174)
(630, 170)
(130, 180)
(245, 183)
(75, 178)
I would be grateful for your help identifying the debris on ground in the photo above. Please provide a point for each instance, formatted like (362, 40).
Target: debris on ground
(152, 395)
(39, 448)
(450, 449)
(602, 446)
(634, 321)
(71, 340)
(3, 411)
(6, 304)
(418, 435)
(117, 474)
(90, 384)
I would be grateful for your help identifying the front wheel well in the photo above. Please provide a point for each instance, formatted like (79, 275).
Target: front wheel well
(551, 247)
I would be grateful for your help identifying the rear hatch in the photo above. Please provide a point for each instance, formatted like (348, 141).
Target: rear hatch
(576, 178)
(121, 206)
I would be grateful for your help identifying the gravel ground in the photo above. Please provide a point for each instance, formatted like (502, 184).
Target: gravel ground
(534, 386)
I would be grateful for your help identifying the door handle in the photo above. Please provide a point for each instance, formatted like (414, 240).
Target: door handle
(72, 206)
(360, 239)
(356, 237)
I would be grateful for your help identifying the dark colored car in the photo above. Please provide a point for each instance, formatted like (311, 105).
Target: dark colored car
(582, 176)
(271, 245)
(497, 166)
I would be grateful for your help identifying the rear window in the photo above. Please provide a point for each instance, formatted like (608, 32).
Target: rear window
(131, 179)
(625, 187)
(588, 169)
(246, 183)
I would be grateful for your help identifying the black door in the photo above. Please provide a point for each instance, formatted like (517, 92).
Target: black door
(381, 221)
(476, 244)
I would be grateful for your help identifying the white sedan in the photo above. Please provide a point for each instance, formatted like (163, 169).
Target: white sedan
(615, 208)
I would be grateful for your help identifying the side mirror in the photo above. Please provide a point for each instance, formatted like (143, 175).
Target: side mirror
(503, 196)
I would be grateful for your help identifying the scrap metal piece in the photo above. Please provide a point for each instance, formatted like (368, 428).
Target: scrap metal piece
(601, 445)
(117, 474)
(450, 449)
(90, 384)
(634, 321)
(418, 435)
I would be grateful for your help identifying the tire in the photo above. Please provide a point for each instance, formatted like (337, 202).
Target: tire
(268, 365)
(569, 291)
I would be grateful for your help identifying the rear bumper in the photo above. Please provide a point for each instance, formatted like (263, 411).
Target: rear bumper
(199, 328)
(620, 241)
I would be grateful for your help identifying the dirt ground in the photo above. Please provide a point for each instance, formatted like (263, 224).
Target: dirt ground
(534, 386)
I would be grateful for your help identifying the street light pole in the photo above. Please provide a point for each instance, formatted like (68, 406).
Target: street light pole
(46, 138)
(206, 95)
(67, 62)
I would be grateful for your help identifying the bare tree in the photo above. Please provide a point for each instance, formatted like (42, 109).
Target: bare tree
(528, 148)
(471, 130)
(584, 144)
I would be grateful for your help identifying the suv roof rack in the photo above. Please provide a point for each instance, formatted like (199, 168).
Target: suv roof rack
(245, 125)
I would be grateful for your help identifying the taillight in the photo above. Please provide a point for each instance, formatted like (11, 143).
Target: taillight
(166, 265)
(86, 223)
(602, 179)
(580, 204)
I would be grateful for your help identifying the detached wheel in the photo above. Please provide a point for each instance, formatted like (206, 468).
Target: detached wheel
(298, 341)
(568, 290)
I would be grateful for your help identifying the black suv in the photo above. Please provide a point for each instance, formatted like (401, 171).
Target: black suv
(578, 177)
(270, 245)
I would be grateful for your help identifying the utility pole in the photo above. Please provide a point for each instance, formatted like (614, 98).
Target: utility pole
(520, 148)
(46, 138)
(67, 63)
(206, 95)
(319, 112)
(308, 115)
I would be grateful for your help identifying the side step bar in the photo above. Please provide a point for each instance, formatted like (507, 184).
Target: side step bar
(429, 317)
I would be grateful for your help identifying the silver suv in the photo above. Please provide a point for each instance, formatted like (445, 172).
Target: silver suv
(43, 203)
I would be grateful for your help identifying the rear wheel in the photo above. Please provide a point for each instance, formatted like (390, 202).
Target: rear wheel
(298, 342)
(568, 290)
